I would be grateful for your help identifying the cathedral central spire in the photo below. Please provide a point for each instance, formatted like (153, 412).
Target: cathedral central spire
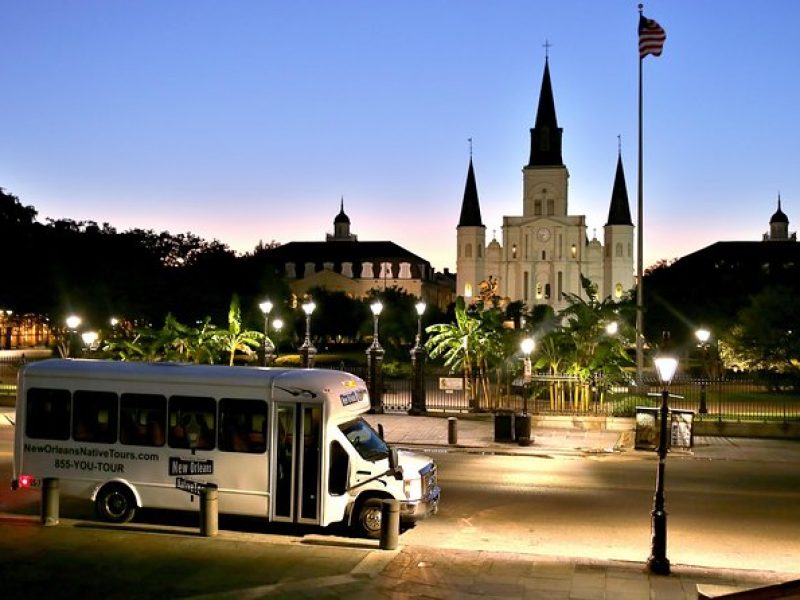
(546, 134)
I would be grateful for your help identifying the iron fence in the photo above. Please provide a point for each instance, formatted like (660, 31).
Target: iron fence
(734, 399)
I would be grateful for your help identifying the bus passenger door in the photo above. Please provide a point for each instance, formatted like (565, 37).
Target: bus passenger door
(296, 462)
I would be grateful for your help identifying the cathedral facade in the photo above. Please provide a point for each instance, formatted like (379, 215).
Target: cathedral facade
(545, 250)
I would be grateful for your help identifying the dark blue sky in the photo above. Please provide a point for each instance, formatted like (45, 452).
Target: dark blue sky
(248, 120)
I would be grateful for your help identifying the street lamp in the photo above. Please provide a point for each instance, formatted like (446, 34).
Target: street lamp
(375, 360)
(418, 406)
(703, 335)
(307, 351)
(522, 424)
(658, 562)
(612, 328)
(72, 344)
(277, 325)
(266, 308)
(527, 345)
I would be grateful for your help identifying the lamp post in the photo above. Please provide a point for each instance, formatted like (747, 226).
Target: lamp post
(375, 362)
(703, 335)
(522, 424)
(612, 328)
(72, 345)
(418, 354)
(658, 562)
(266, 308)
(307, 351)
(277, 325)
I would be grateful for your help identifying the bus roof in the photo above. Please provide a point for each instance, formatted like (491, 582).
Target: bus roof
(90, 369)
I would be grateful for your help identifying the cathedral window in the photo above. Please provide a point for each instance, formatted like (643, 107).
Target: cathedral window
(574, 251)
(468, 290)
(525, 283)
(547, 291)
(560, 285)
(619, 249)
(551, 206)
(544, 255)
(514, 251)
(480, 250)
(468, 251)
(618, 290)
(537, 208)
(539, 291)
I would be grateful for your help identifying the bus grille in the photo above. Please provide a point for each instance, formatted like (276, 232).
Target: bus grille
(428, 474)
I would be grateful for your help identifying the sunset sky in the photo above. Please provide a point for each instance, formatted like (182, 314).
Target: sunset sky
(248, 120)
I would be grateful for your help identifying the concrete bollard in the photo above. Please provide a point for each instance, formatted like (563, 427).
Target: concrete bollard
(50, 501)
(390, 524)
(452, 430)
(209, 510)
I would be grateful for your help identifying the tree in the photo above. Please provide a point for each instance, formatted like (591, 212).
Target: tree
(470, 345)
(583, 346)
(767, 336)
(235, 338)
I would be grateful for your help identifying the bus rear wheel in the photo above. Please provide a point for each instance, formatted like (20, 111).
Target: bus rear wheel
(368, 521)
(115, 503)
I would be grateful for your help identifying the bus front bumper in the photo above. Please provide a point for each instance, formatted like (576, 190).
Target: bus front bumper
(420, 509)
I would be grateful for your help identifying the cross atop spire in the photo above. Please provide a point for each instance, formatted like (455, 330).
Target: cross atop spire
(470, 147)
(547, 45)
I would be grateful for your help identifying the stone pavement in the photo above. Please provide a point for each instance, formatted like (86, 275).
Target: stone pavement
(80, 559)
(250, 560)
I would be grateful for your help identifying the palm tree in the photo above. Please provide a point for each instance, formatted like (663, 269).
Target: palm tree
(594, 357)
(235, 339)
(470, 345)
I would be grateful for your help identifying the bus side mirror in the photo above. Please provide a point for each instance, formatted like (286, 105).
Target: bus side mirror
(394, 467)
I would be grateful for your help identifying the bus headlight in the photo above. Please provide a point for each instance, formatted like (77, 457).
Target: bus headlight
(411, 488)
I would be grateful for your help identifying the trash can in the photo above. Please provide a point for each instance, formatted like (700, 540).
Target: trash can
(522, 429)
(504, 426)
(647, 432)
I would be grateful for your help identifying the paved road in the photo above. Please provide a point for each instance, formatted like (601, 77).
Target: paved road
(730, 514)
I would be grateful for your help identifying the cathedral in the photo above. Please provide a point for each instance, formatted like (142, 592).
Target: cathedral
(545, 250)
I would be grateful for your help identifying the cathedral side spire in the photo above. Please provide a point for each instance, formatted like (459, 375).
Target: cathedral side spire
(470, 206)
(619, 212)
(546, 134)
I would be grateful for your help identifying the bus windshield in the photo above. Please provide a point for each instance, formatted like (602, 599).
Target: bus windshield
(364, 439)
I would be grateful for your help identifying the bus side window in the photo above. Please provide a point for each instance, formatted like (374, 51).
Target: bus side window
(48, 414)
(340, 464)
(142, 419)
(94, 417)
(243, 425)
(192, 418)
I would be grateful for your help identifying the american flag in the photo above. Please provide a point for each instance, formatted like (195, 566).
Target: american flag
(651, 37)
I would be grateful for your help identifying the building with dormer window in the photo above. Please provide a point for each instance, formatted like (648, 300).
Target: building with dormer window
(343, 263)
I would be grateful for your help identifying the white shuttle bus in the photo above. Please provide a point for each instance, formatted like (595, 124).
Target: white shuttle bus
(289, 445)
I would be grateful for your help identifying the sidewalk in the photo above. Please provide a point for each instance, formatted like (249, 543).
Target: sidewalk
(143, 560)
(476, 434)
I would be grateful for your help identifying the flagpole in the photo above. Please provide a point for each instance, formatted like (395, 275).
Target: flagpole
(640, 243)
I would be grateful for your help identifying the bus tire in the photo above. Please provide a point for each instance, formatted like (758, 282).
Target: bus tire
(368, 519)
(115, 503)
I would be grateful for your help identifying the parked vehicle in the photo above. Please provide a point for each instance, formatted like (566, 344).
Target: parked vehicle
(288, 445)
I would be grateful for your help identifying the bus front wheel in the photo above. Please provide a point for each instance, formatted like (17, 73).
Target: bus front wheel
(115, 503)
(368, 523)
